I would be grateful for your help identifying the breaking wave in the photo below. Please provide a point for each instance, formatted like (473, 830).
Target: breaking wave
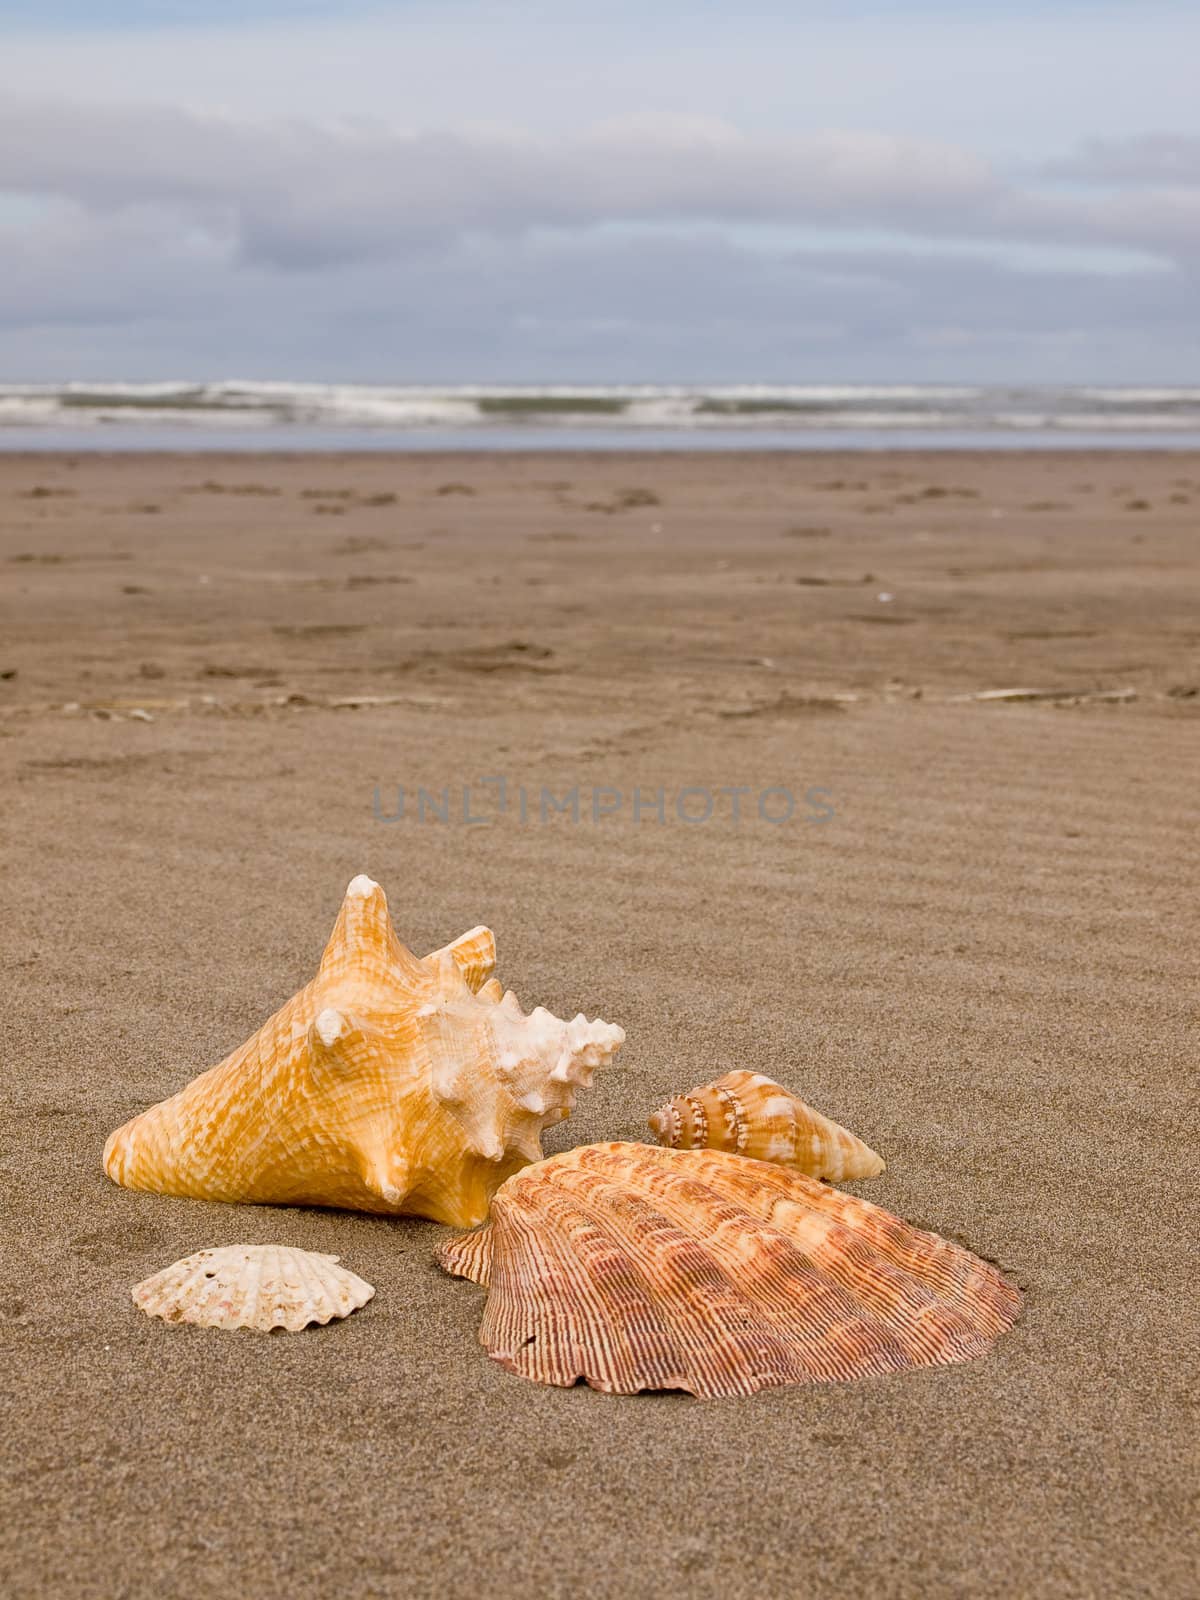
(746, 408)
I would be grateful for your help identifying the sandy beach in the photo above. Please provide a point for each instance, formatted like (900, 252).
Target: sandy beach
(965, 927)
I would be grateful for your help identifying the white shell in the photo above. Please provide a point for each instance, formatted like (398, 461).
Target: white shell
(260, 1286)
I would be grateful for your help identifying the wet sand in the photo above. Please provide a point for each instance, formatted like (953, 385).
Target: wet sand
(984, 962)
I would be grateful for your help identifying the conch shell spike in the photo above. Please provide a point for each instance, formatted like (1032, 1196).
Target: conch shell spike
(363, 935)
(474, 954)
(329, 1026)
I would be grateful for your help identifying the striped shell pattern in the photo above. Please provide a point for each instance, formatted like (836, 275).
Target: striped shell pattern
(632, 1267)
(749, 1115)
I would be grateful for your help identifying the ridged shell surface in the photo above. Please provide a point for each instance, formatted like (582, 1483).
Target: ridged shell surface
(260, 1286)
(388, 1084)
(638, 1268)
(749, 1115)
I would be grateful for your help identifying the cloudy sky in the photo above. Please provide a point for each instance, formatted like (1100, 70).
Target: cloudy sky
(520, 190)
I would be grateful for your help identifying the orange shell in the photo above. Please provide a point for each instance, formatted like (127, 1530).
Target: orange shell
(387, 1084)
(747, 1114)
(637, 1268)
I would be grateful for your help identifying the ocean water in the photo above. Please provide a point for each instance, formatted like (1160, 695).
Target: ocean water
(308, 416)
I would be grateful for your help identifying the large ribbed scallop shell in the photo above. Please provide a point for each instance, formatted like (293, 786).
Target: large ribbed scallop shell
(387, 1084)
(637, 1268)
(260, 1286)
(747, 1114)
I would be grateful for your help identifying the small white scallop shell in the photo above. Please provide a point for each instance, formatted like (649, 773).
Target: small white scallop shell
(261, 1286)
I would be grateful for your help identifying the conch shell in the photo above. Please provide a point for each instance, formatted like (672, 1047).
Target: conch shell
(749, 1115)
(388, 1084)
(262, 1286)
(634, 1268)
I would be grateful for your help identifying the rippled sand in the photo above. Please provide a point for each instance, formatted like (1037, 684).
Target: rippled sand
(216, 674)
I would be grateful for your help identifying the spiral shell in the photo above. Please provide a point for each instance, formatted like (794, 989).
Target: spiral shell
(261, 1286)
(637, 1268)
(748, 1115)
(387, 1084)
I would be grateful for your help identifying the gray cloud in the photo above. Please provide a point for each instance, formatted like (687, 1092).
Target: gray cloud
(159, 242)
(692, 305)
(1157, 158)
(303, 195)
